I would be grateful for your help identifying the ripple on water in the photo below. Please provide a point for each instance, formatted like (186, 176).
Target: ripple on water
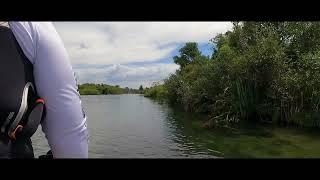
(131, 126)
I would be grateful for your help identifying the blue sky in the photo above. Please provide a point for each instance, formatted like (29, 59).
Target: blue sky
(205, 48)
(132, 53)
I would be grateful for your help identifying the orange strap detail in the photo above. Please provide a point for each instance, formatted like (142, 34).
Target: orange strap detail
(40, 101)
(13, 134)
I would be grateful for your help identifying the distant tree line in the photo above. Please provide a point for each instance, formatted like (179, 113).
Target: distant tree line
(99, 89)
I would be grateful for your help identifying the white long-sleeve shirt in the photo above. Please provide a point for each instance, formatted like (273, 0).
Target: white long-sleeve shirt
(65, 124)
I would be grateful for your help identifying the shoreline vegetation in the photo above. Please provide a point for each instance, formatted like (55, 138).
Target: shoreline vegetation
(259, 72)
(104, 89)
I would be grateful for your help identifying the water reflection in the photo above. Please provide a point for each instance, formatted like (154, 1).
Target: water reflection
(132, 126)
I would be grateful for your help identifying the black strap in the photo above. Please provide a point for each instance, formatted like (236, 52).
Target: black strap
(15, 72)
(21, 148)
(34, 119)
(49, 155)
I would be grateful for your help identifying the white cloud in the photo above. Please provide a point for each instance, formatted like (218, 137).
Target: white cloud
(125, 75)
(125, 42)
(115, 44)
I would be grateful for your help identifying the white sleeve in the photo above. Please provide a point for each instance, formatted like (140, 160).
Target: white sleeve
(65, 124)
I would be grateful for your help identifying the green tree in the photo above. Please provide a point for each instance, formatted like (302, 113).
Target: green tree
(188, 53)
(141, 89)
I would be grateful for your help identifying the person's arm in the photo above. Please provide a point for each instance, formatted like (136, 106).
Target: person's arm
(65, 124)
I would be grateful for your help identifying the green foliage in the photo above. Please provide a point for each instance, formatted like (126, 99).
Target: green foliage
(141, 89)
(260, 71)
(90, 91)
(97, 89)
(157, 91)
(188, 53)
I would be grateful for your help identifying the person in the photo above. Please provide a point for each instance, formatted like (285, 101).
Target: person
(65, 123)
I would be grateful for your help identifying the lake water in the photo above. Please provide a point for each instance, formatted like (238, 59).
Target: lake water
(132, 126)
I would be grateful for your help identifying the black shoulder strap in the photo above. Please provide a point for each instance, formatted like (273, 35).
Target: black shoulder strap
(15, 71)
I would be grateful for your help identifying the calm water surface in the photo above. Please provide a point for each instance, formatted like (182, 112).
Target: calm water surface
(132, 126)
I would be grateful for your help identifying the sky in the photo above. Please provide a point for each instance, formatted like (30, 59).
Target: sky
(130, 54)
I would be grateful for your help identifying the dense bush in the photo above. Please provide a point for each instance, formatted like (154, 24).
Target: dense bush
(157, 92)
(259, 71)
